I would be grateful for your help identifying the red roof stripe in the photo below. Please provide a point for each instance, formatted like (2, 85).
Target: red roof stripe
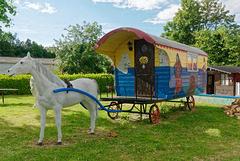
(171, 48)
(139, 33)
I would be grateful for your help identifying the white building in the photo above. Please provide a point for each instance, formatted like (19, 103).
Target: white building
(8, 62)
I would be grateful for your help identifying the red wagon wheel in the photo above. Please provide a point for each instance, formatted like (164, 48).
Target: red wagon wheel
(113, 106)
(191, 102)
(154, 114)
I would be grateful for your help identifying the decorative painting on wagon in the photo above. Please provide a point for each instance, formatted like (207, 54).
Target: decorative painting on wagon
(151, 66)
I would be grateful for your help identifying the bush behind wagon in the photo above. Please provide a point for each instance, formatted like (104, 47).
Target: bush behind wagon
(21, 82)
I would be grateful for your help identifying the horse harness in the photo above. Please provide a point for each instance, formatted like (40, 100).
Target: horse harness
(69, 85)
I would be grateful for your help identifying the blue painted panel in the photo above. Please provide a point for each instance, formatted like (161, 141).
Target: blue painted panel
(124, 83)
(165, 83)
(162, 81)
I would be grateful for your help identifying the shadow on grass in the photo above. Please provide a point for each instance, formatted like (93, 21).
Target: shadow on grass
(4, 123)
(16, 104)
(75, 127)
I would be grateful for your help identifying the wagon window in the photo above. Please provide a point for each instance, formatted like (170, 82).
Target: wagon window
(195, 64)
(192, 62)
(222, 79)
(189, 61)
(225, 79)
(163, 58)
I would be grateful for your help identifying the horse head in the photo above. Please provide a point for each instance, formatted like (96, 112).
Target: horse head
(24, 66)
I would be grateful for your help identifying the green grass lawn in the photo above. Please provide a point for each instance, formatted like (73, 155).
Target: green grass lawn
(203, 134)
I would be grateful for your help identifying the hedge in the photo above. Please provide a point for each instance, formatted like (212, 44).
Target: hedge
(21, 82)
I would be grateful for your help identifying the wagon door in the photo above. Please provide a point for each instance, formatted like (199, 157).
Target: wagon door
(144, 68)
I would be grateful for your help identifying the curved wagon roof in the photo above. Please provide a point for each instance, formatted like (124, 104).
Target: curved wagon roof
(110, 42)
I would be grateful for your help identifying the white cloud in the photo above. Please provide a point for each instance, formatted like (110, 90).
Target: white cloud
(162, 17)
(46, 8)
(165, 15)
(168, 13)
(233, 6)
(35, 6)
(135, 4)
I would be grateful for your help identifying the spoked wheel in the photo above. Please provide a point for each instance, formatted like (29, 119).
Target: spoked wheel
(191, 102)
(113, 106)
(154, 114)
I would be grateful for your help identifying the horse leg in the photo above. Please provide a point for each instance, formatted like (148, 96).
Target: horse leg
(34, 91)
(58, 113)
(93, 114)
(43, 113)
(35, 98)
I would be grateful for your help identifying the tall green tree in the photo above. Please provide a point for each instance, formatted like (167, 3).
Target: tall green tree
(194, 16)
(184, 23)
(13, 47)
(214, 14)
(222, 45)
(75, 50)
(6, 9)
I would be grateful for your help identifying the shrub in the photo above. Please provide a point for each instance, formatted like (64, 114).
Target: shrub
(21, 82)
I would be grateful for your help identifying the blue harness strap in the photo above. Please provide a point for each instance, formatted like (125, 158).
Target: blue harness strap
(84, 105)
(87, 94)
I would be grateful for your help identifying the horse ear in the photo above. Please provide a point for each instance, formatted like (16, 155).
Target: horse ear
(29, 56)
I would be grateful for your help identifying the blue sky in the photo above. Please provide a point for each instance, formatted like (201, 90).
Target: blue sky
(43, 21)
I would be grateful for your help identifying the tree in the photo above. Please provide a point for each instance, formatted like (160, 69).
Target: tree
(75, 50)
(6, 49)
(214, 14)
(12, 46)
(194, 16)
(222, 45)
(184, 23)
(6, 9)
(7, 45)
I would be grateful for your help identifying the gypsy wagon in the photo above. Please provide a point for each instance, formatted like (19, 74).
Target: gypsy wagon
(151, 69)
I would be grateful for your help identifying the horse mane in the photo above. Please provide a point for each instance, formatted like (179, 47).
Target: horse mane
(47, 73)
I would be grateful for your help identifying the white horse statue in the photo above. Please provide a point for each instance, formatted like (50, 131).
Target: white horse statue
(56, 101)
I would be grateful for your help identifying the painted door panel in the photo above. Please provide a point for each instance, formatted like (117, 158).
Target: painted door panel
(144, 68)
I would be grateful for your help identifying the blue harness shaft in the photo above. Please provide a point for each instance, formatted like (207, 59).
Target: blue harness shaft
(87, 94)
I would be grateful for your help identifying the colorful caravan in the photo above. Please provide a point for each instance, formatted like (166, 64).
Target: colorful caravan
(151, 66)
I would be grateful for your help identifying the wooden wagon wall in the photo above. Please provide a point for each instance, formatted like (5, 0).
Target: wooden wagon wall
(218, 87)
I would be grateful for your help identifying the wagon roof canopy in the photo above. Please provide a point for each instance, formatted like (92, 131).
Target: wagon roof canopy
(110, 42)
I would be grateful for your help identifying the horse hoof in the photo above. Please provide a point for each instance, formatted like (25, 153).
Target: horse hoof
(91, 133)
(59, 143)
(39, 144)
